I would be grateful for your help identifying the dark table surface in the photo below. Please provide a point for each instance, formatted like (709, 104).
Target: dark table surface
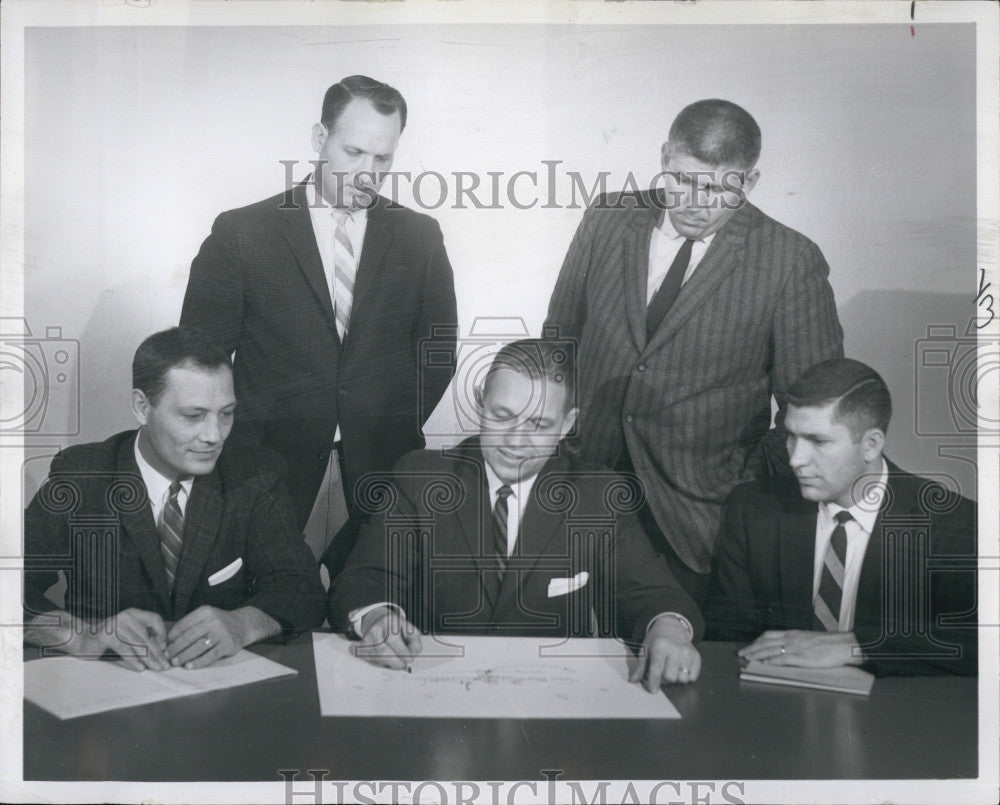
(918, 727)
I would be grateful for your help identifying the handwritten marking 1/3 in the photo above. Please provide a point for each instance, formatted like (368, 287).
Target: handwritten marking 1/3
(984, 299)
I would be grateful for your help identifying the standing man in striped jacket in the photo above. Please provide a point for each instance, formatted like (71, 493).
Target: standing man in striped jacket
(691, 310)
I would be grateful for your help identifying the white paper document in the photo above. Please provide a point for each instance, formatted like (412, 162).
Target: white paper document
(487, 677)
(69, 687)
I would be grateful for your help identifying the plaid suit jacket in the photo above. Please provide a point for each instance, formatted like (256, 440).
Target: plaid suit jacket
(92, 519)
(258, 287)
(916, 604)
(693, 403)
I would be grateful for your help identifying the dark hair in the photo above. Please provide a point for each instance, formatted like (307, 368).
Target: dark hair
(862, 398)
(539, 358)
(718, 133)
(384, 98)
(166, 349)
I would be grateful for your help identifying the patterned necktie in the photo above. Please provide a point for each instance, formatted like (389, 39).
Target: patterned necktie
(668, 290)
(172, 533)
(500, 529)
(345, 268)
(826, 605)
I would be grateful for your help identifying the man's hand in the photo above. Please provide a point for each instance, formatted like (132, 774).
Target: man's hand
(667, 655)
(388, 639)
(803, 648)
(138, 637)
(208, 634)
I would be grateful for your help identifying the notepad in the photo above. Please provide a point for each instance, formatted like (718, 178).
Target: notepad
(844, 679)
(69, 687)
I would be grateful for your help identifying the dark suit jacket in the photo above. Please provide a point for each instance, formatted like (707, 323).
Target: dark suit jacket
(763, 573)
(258, 287)
(693, 404)
(92, 519)
(429, 549)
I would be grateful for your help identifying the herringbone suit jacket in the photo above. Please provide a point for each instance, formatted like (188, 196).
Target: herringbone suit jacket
(258, 287)
(692, 404)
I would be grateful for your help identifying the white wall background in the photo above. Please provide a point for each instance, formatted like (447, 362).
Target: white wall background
(137, 137)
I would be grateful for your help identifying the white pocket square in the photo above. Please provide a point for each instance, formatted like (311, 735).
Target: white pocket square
(226, 573)
(566, 586)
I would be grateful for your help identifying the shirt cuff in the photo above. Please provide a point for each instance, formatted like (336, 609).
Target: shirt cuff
(355, 615)
(676, 616)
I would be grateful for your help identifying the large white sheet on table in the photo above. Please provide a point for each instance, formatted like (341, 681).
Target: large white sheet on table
(487, 677)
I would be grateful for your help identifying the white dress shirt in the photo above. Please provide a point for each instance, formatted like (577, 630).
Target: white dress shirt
(158, 485)
(664, 244)
(859, 530)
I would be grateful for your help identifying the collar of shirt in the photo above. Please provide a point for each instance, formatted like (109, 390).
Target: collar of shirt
(324, 223)
(858, 533)
(158, 484)
(664, 244)
(521, 490)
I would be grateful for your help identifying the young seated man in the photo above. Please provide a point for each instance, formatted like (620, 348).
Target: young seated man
(179, 548)
(509, 534)
(835, 566)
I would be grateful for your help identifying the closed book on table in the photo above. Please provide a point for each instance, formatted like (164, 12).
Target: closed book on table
(845, 679)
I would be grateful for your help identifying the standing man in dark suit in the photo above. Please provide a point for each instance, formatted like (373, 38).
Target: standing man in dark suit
(508, 534)
(837, 565)
(691, 309)
(179, 547)
(325, 292)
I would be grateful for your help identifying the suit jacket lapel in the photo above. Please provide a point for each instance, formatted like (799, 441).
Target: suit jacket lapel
(300, 236)
(378, 234)
(797, 551)
(721, 259)
(635, 260)
(539, 527)
(474, 515)
(202, 517)
(138, 525)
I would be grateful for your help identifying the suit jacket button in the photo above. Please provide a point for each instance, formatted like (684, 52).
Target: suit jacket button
(342, 392)
(628, 417)
(641, 367)
(322, 455)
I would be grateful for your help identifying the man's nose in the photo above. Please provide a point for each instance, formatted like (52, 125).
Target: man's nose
(211, 432)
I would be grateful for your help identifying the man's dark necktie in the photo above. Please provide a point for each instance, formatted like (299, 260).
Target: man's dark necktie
(172, 533)
(500, 529)
(668, 290)
(831, 581)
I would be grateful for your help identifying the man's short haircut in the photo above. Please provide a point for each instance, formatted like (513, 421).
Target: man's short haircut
(861, 396)
(384, 98)
(539, 358)
(718, 133)
(178, 346)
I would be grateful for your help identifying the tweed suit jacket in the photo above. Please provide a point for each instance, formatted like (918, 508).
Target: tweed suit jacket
(444, 580)
(92, 519)
(258, 287)
(693, 404)
(922, 549)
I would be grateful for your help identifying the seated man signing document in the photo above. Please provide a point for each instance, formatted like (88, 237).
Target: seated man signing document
(853, 561)
(169, 523)
(509, 534)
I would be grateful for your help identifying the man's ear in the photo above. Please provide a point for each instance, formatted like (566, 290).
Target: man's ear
(872, 443)
(568, 421)
(665, 152)
(140, 406)
(479, 397)
(319, 135)
(750, 181)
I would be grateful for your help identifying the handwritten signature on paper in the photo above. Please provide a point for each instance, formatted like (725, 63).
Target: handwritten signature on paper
(984, 300)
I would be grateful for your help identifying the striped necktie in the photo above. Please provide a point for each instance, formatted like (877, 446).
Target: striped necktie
(345, 269)
(500, 529)
(826, 605)
(172, 533)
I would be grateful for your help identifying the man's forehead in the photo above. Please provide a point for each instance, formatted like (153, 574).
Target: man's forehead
(682, 161)
(190, 379)
(508, 382)
(812, 416)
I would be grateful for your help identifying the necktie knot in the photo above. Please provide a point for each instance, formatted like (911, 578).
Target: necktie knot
(504, 492)
(175, 490)
(843, 516)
